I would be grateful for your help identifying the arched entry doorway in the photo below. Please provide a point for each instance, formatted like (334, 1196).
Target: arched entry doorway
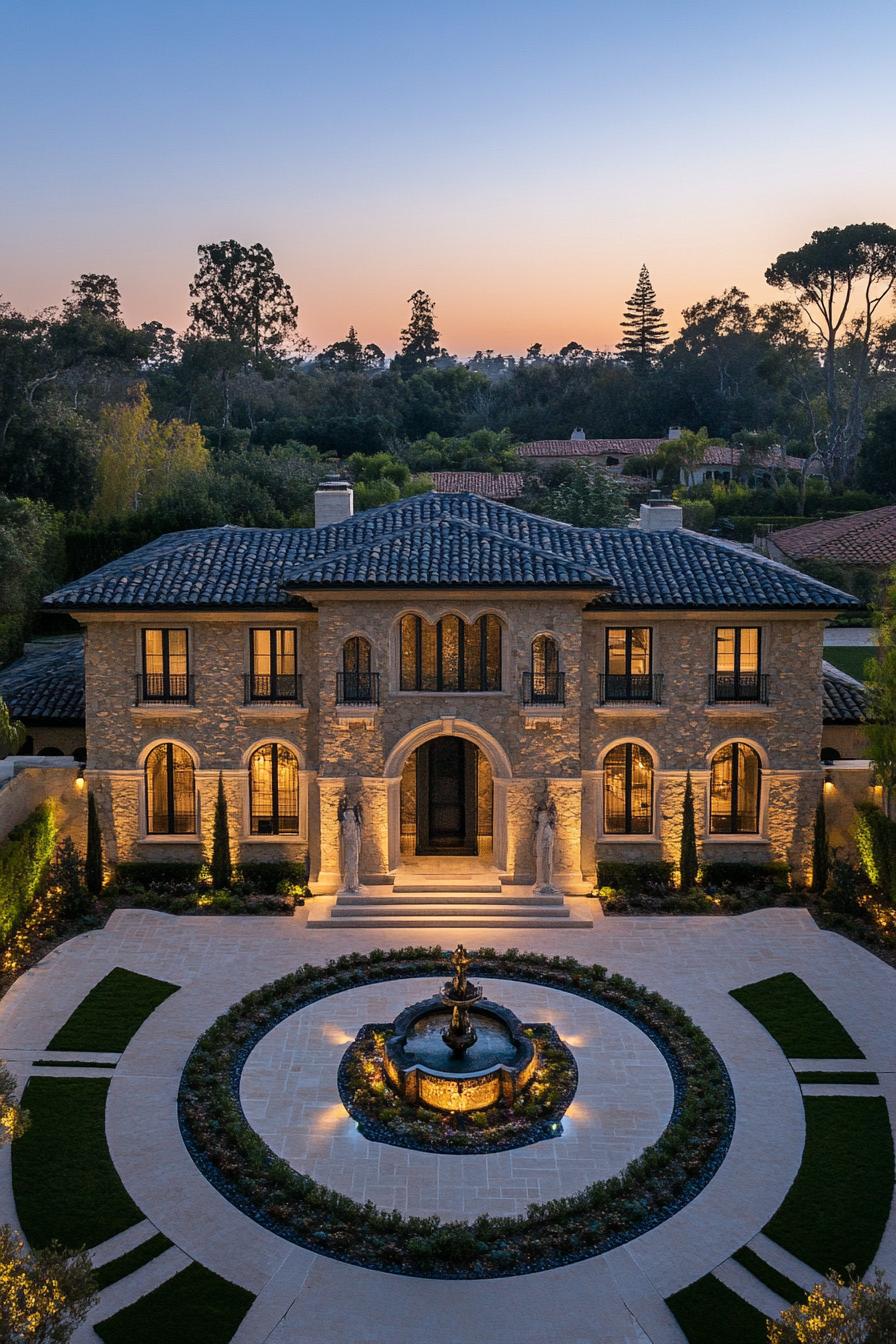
(450, 800)
(447, 799)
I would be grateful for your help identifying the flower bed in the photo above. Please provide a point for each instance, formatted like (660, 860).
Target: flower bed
(659, 1182)
(385, 1117)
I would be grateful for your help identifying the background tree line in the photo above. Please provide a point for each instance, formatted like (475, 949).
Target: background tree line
(110, 434)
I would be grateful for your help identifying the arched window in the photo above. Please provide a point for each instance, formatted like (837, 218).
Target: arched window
(734, 790)
(546, 682)
(829, 755)
(274, 791)
(452, 655)
(628, 790)
(170, 791)
(357, 681)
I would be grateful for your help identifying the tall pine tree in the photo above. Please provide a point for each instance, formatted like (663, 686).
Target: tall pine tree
(645, 332)
(420, 338)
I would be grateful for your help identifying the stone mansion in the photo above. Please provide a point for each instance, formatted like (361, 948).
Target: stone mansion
(448, 661)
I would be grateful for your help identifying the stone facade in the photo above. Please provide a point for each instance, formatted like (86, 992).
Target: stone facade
(527, 750)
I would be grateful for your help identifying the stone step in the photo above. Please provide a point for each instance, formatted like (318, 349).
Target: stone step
(445, 885)
(448, 918)
(463, 898)
(449, 908)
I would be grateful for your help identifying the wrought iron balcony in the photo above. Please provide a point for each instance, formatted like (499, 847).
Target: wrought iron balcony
(357, 688)
(639, 688)
(282, 688)
(543, 688)
(163, 688)
(733, 688)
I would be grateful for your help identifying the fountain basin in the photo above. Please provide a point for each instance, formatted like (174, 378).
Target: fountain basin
(496, 1067)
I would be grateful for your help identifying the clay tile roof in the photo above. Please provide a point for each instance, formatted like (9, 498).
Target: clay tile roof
(503, 485)
(589, 447)
(443, 540)
(46, 685)
(845, 699)
(867, 538)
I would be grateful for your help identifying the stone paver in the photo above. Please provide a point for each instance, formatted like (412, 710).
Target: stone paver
(617, 1298)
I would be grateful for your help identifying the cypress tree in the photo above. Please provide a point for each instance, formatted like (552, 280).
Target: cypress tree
(93, 862)
(820, 851)
(645, 332)
(222, 868)
(687, 864)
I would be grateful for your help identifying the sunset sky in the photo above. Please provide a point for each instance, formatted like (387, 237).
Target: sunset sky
(516, 160)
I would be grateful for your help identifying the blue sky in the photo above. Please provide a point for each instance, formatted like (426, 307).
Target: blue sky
(519, 161)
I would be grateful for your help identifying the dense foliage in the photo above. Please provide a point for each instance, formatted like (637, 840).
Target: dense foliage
(24, 859)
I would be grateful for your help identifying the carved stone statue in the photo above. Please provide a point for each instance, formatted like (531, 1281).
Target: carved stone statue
(545, 835)
(351, 818)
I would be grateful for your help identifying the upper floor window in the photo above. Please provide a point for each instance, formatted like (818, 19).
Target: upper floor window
(545, 678)
(628, 790)
(274, 674)
(629, 664)
(357, 683)
(452, 655)
(274, 790)
(166, 666)
(737, 664)
(734, 790)
(170, 791)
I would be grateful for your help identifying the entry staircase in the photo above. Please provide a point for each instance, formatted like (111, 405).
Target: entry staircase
(474, 899)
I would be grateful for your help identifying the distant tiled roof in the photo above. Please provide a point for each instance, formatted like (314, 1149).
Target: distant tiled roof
(504, 485)
(717, 455)
(845, 699)
(46, 685)
(443, 540)
(867, 538)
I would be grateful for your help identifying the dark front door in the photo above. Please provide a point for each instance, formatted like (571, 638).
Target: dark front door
(446, 797)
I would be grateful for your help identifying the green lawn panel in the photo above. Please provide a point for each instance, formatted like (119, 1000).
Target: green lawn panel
(131, 1260)
(799, 1021)
(831, 1076)
(835, 1212)
(767, 1274)
(710, 1313)
(65, 1185)
(112, 1011)
(849, 659)
(70, 1064)
(195, 1305)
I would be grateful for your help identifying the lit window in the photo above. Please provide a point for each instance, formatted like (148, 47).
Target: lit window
(628, 790)
(628, 663)
(545, 670)
(357, 681)
(165, 665)
(273, 665)
(452, 655)
(170, 791)
(734, 790)
(737, 663)
(274, 791)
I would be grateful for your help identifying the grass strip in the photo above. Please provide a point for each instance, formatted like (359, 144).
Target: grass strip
(831, 1076)
(709, 1312)
(70, 1064)
(767, 1274)
(850, 659)
(65, 1185)
(799, 1021)
(131, 1260)
(835, 1212)
(194, 1305)
(113, 1010)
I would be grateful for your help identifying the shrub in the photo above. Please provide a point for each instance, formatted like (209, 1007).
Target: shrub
(24, 858)
(876, 842)
(132, 875)
(723, 873)
(67, 874)
(820, 852)
(265, 878)
(636, 876)
(93, 867)
(847, 889)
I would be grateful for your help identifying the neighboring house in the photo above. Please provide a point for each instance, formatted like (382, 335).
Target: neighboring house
(844, 750)
(721, 462)
(45, 690)
(505, 485)
(447, 661)
(864, 540)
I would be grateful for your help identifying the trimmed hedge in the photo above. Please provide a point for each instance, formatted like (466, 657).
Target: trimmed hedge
(720, 873)
(150, 874)
(876, 843)
(629, 877)
(265, 878)
(24, 858)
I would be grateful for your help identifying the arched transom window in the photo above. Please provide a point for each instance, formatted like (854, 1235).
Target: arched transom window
(628, 790)
(274, 790)
(170, 791)
(734, 790)
(451, 655)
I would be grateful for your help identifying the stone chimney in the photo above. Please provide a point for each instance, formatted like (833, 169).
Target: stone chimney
(674, 433)
(578, 434)
(659, 515)
(334, 501)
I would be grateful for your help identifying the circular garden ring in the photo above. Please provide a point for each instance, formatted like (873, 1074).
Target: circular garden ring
(660, 1181)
